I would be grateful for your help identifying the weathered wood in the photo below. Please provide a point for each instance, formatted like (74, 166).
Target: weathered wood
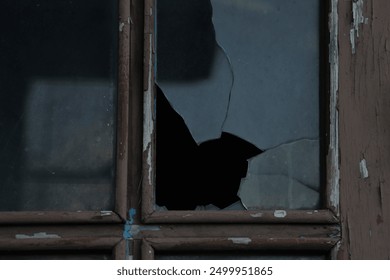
(136, 107)
(332, 127)
(261, 216)
(60, 237)
(123, 108)
(147, 251)
(236, 244)
(364, 102)
(120, 250)
(42, 217)
(244, 230)
(148, 165)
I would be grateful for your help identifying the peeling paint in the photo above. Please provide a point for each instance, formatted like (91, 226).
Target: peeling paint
(240, 240)
(127, 227)
(105, 213)
(136, 229)
(131, 230)
(38, 235)
(333, 153)
(280, 213)
(363, 169)
(257, 215)
(358, 18)
(148, 115)
(123, 23)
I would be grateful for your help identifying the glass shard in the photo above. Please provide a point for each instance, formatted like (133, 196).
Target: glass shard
(298, 160)
(209, 207)
(286, 177)
(235, 206)
(276, 192)
(192, 70)
(273, 46)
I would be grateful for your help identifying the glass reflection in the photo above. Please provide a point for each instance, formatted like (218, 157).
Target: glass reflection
(57, 104)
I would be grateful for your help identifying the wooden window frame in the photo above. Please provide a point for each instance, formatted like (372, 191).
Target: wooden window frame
(247, 237)
(328, 214)
(135, 203)
(216, 230)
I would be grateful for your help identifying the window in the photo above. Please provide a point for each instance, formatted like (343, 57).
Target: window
(97, 94)
(204, 66)
(63, 128)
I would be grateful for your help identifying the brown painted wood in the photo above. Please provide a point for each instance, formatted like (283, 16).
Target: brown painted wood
(148, 164)
(136, 106)
(364, 105)
(261, 216)
(220, 244)
(42, 217)
(123, 108)
(244, 230)
(119, 251)
(60, 237)
(147, 251)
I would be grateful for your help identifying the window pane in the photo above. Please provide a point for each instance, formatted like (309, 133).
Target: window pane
(58, 79)
(238, 104)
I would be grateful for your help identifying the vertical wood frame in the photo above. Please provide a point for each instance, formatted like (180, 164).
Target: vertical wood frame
(327, 215)
(364, 55)
(121, 185)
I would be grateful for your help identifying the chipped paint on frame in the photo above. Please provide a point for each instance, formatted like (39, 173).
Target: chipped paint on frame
(358, 18)
(333, 152)
(148, 113)
(38, 235)
(240, 240)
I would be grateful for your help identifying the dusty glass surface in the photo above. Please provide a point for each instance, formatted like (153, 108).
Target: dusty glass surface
(58, 79)
(249, 69)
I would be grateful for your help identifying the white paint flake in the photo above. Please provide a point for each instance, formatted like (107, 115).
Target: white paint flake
(358, 18)
(38, 235)
(363, 169)
(257, 215)
(240, 240)
(148, 114)
(280, 214)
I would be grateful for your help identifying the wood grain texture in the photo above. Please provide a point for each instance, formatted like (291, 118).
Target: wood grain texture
(364, 102)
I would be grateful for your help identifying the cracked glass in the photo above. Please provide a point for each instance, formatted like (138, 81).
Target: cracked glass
(58, 79)
(237, 104)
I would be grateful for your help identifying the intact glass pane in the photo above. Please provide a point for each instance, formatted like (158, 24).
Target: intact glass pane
(58, 84)
(238, 104)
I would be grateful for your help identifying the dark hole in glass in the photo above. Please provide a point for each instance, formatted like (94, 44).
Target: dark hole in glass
(187, 174)
(58, 77)
(190, 175)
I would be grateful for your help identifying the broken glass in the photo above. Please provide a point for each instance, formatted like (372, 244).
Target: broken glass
(58, 82)
(248, 69)
(192, 70)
